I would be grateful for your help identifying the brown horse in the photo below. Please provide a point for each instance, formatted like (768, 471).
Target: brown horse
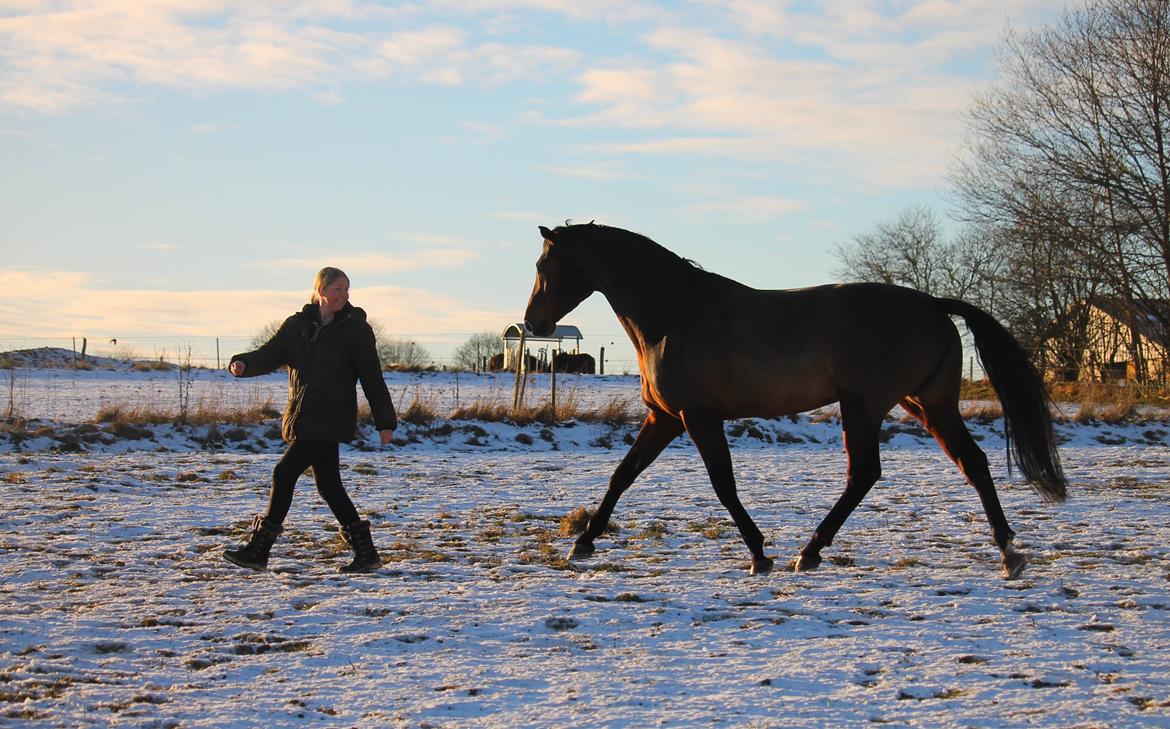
(710, 349)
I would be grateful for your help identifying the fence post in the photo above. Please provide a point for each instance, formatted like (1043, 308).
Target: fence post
(601, 362)
(553, 375)
(517, 393)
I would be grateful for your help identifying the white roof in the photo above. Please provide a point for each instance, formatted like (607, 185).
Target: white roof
(563, 331)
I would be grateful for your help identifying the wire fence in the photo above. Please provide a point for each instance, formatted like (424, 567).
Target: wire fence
(612, 353)
(214, 352)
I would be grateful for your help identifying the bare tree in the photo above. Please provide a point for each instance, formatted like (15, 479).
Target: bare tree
(471, 354)
(913, 251)
(266, 332)
(1069, 151)
(399, 353)
(403, 354)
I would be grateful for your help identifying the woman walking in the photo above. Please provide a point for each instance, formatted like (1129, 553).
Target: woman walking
(328, 347)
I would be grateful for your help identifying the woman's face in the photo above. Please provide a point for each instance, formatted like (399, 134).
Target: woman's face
(334, 296)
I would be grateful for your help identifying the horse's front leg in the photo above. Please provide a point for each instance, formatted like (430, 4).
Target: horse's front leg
(707, 432)
(657, 432)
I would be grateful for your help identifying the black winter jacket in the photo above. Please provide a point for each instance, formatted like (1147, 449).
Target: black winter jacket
(324, 366)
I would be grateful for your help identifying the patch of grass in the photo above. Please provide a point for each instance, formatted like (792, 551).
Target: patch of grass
(978, 390)
(482, 410)
(983, 411)
(1100, 405)
(656, 530)
(615, 411)
(906, 563)
(126, 415)
(127, 420)
(420, 411)
(711, 527)
(253, 414)
(575, 522)
(546, 552)
(251, 644)
(152, 365)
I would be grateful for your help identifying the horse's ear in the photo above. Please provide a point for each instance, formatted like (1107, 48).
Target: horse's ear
(548, 234)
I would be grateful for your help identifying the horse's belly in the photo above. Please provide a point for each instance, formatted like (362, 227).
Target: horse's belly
(780, 399)
(739, 393)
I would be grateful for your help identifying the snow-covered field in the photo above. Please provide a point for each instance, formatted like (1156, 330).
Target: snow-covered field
(71, 395)
(116, 609)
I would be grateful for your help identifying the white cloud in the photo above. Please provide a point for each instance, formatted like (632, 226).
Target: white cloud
(206, 128)
(870, 82)
(599, 171)
(59, 57)
(883, 105)
(67, 304)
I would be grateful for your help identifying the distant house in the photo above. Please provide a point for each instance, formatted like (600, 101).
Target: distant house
(1122, 344)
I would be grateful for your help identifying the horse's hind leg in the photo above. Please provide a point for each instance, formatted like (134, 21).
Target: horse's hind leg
(707, 432)
(657, 432)
(861, 434)
(946, 425)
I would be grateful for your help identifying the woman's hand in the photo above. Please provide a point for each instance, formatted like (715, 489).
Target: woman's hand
(237, 368)
(386, 435)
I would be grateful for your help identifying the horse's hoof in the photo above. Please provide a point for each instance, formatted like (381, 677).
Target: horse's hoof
(761, 565)
(806, 562)
(1013, 565)
(580, 551)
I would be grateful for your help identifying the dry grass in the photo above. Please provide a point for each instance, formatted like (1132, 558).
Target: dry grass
(1088, 402)
(978, 390)
(152, 365)
(574, 522)
(203, 413)
(981, 410)
(615, 411)
(1107, 403)
(1085, 403)
(423, 410)
(419, 413)
(132, 415)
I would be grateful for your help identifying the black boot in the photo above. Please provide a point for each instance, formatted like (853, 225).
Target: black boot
(365, 556)
(254, 554)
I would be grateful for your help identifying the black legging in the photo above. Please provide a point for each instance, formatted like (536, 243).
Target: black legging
(323, 457)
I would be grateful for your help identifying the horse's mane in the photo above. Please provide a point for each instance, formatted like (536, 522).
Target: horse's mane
(642, 249)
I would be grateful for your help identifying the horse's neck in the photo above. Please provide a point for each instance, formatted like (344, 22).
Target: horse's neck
(644, 293)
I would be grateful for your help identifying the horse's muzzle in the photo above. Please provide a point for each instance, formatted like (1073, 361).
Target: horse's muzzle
(540, 328)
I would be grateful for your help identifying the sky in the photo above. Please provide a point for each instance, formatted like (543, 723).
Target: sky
(181, 168)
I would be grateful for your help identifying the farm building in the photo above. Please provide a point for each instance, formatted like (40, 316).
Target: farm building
(514, 333)
(1123, 344)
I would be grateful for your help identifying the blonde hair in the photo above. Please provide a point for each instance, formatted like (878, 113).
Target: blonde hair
(325, 277)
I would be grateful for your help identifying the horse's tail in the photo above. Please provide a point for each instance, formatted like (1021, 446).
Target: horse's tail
(1027, 410)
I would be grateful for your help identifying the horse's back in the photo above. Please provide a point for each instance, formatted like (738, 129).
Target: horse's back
(771, 352)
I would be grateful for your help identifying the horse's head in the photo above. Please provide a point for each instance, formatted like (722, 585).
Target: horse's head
(561, 284)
